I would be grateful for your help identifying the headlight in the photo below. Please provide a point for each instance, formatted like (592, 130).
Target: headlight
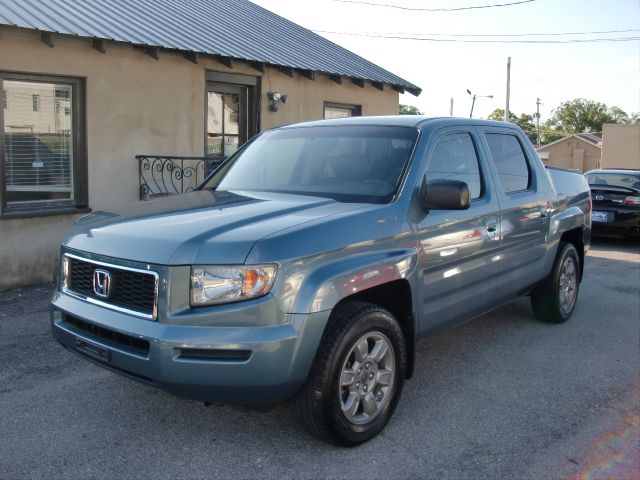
(225, 284)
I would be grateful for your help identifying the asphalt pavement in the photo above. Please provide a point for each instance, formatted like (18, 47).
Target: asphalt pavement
(500, 397)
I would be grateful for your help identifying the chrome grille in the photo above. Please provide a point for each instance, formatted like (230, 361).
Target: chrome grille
(132, 290)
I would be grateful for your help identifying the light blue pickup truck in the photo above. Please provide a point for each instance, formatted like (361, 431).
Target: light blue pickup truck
(310, 263)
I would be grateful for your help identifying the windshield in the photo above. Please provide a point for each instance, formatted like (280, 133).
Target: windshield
(348, 163)
(615, 179)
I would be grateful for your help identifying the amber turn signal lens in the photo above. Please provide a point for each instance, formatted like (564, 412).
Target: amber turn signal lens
(257, 281)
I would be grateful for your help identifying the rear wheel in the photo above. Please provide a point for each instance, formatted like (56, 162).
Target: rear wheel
(555, 299)
(357, 377)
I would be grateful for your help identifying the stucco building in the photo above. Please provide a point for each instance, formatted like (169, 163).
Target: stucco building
(581, 151)
(88, 87)
(621, 146)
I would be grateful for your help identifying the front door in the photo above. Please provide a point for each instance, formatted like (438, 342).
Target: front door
(227, 119)
(458, 250)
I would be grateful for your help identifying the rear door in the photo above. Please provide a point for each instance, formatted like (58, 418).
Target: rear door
(525, 211)
(458, 249)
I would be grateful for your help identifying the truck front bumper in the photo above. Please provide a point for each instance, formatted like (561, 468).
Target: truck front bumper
(236, 365)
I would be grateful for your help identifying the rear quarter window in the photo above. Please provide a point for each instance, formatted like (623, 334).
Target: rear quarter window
(514, 172)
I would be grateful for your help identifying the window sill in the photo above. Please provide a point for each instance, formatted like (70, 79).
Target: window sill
(10, 215)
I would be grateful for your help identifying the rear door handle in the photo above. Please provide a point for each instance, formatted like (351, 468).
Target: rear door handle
(491, 230)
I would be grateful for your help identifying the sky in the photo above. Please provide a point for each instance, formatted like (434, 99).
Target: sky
(607, 72)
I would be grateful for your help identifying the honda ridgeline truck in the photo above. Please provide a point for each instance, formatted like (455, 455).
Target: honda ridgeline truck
(310, 263)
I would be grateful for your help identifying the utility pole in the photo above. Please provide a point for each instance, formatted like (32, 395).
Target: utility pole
(451, 108)
(538, 103)
(506, 107)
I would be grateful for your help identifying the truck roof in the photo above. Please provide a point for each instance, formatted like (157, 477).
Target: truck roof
(416, 121)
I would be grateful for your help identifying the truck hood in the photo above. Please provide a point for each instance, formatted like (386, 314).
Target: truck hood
(201, 227)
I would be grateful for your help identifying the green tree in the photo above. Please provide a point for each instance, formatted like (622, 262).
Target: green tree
(498, 114)
(619, 115)
(580, 116)
(524, 121)
(550, 133)
(409, 110)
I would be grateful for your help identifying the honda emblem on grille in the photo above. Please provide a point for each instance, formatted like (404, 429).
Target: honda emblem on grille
(599, 197)
(102, 283)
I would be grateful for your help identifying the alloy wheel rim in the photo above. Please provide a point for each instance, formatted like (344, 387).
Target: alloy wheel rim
(367, 378)
(568, 285)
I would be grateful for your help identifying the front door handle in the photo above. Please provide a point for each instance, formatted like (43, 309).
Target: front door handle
(492, 230)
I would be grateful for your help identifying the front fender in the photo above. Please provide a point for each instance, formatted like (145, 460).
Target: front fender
(323, 287)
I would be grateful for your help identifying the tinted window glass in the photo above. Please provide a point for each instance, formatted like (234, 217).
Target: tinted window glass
(510, 162)
(454, 157)
(615, 179)
(347, 163)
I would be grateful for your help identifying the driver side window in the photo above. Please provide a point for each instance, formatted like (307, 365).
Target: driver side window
(454, 158)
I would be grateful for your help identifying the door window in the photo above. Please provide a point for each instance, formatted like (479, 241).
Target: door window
(455, 158)
(223, 123)
(226, 119)
(508, 157)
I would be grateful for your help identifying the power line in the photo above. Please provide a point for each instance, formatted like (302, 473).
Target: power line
(442, 40)
(553, 34)
(456, 9)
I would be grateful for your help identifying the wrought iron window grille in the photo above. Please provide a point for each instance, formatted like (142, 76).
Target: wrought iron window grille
(172, 175)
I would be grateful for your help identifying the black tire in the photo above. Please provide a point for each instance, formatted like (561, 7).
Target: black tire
(320, 402)
(547, 300)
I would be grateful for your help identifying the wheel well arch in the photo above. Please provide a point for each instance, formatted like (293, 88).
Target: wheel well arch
(576, 238)
(394, 296)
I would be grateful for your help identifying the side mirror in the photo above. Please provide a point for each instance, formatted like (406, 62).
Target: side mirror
(444, 195)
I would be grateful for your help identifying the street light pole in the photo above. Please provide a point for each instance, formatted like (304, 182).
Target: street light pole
(473, 100)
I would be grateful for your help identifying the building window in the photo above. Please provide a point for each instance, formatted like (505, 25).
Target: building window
(3, 98)
(510, 161)
(42, 162)
(339, 110)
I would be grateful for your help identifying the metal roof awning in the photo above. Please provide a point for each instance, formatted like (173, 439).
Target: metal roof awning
(228, 29)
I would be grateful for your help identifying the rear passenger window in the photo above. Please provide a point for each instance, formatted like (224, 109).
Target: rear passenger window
(510, 161)
(454, 158)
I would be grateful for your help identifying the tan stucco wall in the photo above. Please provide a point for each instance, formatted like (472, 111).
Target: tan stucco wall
(621, 146)
(138, 105)
(306, 98)
(29, 249)
(573, 153)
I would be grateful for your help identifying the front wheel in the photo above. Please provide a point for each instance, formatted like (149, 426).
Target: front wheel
(555, 299)
(357, 376)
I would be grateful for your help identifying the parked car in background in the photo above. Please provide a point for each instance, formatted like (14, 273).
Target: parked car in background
(615, 194)
(309, 264)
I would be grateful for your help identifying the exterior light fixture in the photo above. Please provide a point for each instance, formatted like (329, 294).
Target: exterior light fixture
(274, 98)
